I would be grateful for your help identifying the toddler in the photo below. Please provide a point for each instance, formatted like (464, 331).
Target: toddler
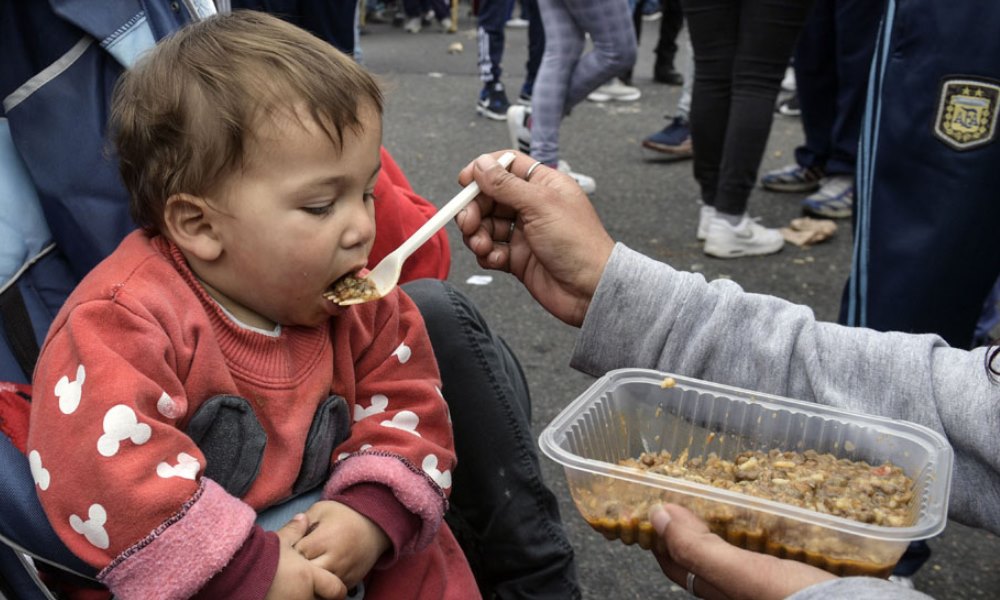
(197, 375)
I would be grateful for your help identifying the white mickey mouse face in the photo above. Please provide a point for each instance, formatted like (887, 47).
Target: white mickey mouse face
(344, 455)
(379, 404)
(402, 353)
(167, 407)
(70, 392)
(187, 467)
(92, 528)
(443, 478)
(38, 472)
(120, 423)
(405, 420)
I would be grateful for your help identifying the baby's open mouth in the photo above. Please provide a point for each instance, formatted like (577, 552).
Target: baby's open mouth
(353, 288)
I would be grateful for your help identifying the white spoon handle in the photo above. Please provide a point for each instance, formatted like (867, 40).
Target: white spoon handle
(445, 214)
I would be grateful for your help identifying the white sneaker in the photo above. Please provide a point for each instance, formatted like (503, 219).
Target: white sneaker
(615, 90)
(705, 216)
(788, 82)
(413, 25)
(518, 120)
(445, 25)
(749, 238)
(586, 183)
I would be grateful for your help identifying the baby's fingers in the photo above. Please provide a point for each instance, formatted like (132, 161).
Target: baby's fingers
(328, 586)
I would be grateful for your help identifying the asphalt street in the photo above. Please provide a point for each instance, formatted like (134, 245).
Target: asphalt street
(432, 130)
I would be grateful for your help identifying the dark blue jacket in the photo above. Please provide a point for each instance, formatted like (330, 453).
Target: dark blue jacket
(60, 62)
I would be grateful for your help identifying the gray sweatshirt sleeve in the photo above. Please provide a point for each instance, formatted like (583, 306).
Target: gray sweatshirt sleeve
(858, 588)
(647, 315)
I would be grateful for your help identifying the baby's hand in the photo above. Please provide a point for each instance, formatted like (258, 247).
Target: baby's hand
(342, 541)
(297, 578)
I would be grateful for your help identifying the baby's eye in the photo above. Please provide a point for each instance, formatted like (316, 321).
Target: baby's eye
(319, 210)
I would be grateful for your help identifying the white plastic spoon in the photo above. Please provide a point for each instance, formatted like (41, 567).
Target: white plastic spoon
(385, 275)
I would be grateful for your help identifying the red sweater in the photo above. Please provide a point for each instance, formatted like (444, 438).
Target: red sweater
(136, 350)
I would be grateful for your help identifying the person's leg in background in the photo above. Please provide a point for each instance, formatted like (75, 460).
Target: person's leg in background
(491, 20)
(855, 29)
(536, 47)
(620, 88)
(816, 88)
(673, 142)
(502, 514)
(565, 77)
(713, 32)
(671, 24)
(767, 35)
(756, 55)
(564, 42)
(832, 65)
(412, 10)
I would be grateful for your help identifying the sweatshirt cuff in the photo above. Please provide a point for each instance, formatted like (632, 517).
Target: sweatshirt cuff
(379, 504)
(250, 572)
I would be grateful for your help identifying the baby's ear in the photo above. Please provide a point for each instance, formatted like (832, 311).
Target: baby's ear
(188, 222)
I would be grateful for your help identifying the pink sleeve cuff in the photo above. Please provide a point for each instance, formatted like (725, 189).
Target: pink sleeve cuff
(379, 504)
(180, 556)
(411, 487)
(251, 571)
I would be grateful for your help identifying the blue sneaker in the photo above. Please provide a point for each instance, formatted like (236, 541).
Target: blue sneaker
(674, 140)
(525, 96)
(493, 103)
(792, 178)
(834, 200)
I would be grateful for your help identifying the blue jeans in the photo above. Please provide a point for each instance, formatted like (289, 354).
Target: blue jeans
(832, 61)
(491, 21)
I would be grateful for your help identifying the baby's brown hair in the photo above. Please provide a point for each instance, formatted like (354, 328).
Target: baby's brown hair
(184, 116)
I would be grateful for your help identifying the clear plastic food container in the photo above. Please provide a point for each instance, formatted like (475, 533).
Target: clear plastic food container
(630, 411)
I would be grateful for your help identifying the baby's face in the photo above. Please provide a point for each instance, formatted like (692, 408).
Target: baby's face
(299, 217)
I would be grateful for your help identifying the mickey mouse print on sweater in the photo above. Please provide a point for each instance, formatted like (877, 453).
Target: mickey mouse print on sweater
(403, 420)
(120, 425)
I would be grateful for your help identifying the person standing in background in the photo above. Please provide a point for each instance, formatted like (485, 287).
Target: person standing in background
(490, 38)
(741, 49)
(568, 74)
(832, 63)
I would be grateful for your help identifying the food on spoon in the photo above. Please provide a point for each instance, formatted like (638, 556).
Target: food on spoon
(352, 288)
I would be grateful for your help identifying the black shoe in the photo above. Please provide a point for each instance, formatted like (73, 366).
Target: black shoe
(493, 103)
(667, 74)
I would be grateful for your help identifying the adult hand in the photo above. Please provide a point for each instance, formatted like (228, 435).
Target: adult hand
(296, 577)
(544, 231)
(721, 570)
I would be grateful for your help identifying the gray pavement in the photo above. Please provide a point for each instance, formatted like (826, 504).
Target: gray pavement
(432, 130)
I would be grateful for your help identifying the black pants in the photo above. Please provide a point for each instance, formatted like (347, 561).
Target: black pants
(504, 517)
(741, 49)
(671, 23)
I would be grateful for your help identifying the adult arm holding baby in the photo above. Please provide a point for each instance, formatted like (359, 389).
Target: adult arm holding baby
(637, 312)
